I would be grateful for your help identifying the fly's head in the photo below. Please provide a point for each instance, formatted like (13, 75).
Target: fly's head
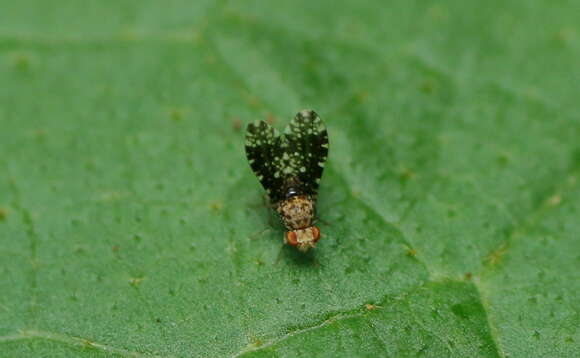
(303, 239)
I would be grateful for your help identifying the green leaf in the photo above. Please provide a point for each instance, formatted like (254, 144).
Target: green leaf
(131, 224)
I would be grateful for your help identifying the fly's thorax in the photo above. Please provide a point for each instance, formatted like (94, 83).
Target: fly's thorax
(297, 212)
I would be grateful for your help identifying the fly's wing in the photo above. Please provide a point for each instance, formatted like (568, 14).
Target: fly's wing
(263, 151)
(305, 144)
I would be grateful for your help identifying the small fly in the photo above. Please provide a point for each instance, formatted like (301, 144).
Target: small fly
(289, 167)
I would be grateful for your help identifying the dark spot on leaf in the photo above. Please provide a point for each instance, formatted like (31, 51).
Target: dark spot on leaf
(90, 166)
(236, 124)
(79, 250)
(371, 307)
(428, 86)
(3, 214)
(451, 213)
(406, 175)
(176, 115)
(575, 158)
(21, 63)
(361, 243)
(202, 281)
(40, 135)
(137, 238)
(135, 281)
(496, 255)
(502, 160)
(411, 252)
(216, 206)
(464, 310)
(536, 335)
(564, 36)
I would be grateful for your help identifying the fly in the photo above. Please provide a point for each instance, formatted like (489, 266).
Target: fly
(289, 167)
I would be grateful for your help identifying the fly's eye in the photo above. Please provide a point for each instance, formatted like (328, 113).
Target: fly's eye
(315, 233)
(291, 238)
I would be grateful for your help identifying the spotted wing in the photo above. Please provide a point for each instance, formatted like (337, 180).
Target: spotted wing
(263, 151)
(306, 146)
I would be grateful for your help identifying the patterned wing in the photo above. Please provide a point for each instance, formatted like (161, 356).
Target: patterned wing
(305, 144)
(263, 151)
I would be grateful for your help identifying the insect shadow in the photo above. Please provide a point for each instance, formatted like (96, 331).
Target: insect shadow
(292, 257)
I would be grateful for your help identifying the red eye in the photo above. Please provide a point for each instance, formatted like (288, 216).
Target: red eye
(316, 233)
(291, 238)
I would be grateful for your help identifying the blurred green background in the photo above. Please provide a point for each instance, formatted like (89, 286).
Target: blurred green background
(131, 224)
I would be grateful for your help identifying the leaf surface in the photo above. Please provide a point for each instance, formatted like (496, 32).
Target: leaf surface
(132, 225)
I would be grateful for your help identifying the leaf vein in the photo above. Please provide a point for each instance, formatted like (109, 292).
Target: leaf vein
(531, 220)
(32, 236)
(331, 320)
(74, 341)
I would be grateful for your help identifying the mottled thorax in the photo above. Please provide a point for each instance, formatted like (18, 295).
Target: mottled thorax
(296, 212)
